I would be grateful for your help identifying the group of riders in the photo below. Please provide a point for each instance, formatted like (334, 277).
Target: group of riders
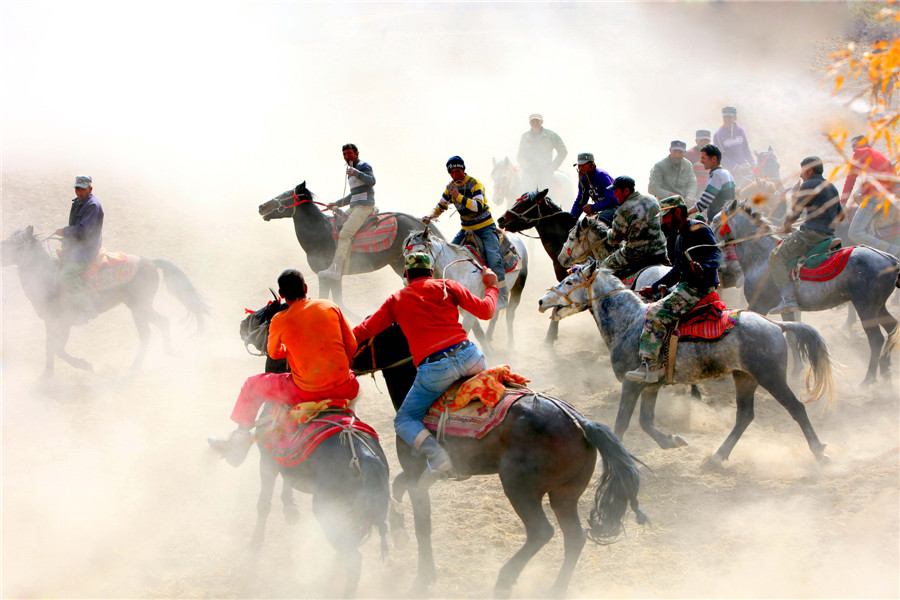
(687, 189)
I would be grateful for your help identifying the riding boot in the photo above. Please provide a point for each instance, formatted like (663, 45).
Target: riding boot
(234, 450)
(646, 373)
(333, 272)
(788, 300)
(439, 464)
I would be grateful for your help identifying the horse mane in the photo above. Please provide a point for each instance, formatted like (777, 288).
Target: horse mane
(761, 220)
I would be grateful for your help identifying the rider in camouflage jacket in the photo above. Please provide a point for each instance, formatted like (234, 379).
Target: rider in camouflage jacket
(637, 228)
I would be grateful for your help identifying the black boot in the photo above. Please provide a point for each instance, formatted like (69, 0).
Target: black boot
(440, 466)
(234, 450)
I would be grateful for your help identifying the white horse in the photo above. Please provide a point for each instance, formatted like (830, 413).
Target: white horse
(511, 182)
(460, 264)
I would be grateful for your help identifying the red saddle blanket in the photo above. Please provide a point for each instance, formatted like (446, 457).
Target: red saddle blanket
(829, 269)
(376, 235)
(111, 269)
(475, 420)
(290, 443)
(709, 320)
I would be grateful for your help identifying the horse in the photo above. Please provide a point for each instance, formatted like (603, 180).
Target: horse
(314, 232)
(754, 352)
(511, 182)
(38, 276)
(542, 447)
(347, 475)
(456, 263)
(536, 209)
(867, 281)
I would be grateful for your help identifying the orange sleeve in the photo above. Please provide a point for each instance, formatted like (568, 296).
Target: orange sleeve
(350, 344)
(275, 348)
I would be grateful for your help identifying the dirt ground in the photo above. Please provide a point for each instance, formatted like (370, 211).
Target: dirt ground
(109, 488)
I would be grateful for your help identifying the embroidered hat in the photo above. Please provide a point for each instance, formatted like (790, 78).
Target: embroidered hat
(859, 140)
(584, 158)
(678, 145)
(703, 134)
(419, 260)
(456, 162)
(534, 116)
(729, 111)
(667, 204)
(83, 182)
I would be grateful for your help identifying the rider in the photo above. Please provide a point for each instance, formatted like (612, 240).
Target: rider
(866, 160)
(467, 194)
(674, 175)
(81, 241)
(319, 346)
(362, 203)
(719, 191)
(821, 202)
(694, 274)
(636, 227)
(594, 196)
(535, 154)
(701, 138)
(732, 140)
(427, 311)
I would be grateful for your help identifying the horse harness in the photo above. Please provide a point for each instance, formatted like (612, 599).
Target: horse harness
(586, 283)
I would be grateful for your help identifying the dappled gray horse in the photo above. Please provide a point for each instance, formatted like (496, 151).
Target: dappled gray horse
(867, 280)
(459, 264)
(754, 353)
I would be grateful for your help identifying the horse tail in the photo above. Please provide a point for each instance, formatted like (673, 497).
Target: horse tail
(373, 499)
(181, 287)
(618, 486)
(893, 341)
(813, 348)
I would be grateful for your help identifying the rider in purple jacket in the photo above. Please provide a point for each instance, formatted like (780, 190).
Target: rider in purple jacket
(593, 196)
(731, 139)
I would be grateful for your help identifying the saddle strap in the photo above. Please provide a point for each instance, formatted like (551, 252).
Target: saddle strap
(671, 352)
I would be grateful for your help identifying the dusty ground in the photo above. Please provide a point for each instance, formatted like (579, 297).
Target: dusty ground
(109, 489)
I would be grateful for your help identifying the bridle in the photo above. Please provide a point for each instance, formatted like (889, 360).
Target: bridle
(591, 298)
(589, 250)
(297, 201)
(375, 368)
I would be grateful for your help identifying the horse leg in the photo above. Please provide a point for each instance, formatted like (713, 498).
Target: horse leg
(514, 300)
(777, 385)
(647, 417)
(421, 505)
(395, 515)
(470, 323)
(564, 502)
(143, 329)
(56, 346)
(630, 392)
(491, 325)
(869, 320)
(889, 324)
(291, 513)
(796, 359)
(696, 394)
(851, 316)
(552, 333)
(268, 473)
(525, 497)
(162, 324)
(745, 387)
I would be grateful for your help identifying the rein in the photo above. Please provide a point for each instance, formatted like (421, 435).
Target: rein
(297, 202)
(591, 299)
(588, 252)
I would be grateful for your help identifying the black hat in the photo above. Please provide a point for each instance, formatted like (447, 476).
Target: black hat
(456, 162)
(622, 182)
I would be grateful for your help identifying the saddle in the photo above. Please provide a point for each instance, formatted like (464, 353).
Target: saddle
(630, 274)
(822, 262)
(709, 320)
(509, 256)
(110, 269)
(376, 235)
(291, 441)
(473, 407)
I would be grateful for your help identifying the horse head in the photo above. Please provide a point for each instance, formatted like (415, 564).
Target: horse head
(384, 350)
(255, 326)
(419, 241)
(767, 166)
(15, 248)
(527, 210)
(573, 294)
(283, 206)
(739, 221)
(586, 240)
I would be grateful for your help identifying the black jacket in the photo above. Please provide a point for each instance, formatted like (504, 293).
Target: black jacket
(695, 243)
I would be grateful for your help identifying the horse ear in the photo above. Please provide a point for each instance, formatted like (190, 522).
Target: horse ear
(274, 295)
(770, 149)
(494, 161)
(29, 231)
(301, 187)
(542, 194)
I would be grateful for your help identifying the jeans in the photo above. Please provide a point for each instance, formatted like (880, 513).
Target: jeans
(432, 380)
(491, 240)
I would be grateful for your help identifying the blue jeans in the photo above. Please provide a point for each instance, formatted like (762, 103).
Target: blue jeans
(432, 380)
(491, 240)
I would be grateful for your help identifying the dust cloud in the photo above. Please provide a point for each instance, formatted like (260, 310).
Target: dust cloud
(189, 115)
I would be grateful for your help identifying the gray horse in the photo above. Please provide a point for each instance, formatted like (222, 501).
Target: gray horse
(867, 281)
(38, 275)
(754, 353)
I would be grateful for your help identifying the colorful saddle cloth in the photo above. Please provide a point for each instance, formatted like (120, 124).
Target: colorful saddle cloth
(376, 235)
(290, 442)
(111, 269)
(472, 407)
(829, 268)
(509, 256)
(709, 320)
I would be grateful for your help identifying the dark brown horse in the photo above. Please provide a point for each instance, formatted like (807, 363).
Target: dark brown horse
(314, 232)
(38, 275)
(543, 447)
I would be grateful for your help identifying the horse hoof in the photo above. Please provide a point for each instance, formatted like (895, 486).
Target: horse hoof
(713, 463)
(502, 592)
(679, 442)
(291, 515)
